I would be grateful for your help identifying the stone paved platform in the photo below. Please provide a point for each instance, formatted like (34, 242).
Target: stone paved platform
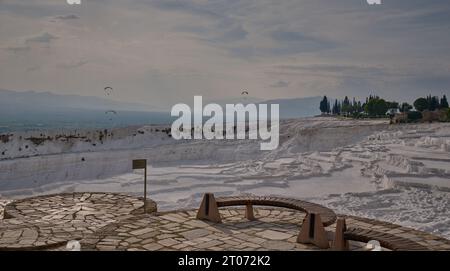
(274, 229)
(102, 221)
(52, 220)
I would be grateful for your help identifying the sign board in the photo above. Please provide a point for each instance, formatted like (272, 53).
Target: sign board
(140, 164)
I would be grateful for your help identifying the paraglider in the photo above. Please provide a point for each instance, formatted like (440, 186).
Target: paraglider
(245, 95)
(108, 90)
(111, 113)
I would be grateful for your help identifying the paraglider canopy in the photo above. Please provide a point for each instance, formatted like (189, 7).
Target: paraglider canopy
(110, 113)
(244, 95)
(108, 90)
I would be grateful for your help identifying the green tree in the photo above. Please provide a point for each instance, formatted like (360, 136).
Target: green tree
(336, 108)
(444, 103)
(414, 116)
(376, 107)
(393, 105)
(405, 107)
(324, 105)
(421, 104)
(346, 107)
(433, 103)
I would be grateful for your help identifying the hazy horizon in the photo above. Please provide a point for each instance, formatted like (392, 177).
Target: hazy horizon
(31, 110)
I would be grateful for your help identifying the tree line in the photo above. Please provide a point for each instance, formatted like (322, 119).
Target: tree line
(374, 106)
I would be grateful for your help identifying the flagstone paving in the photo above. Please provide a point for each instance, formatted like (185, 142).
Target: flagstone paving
(105, 221)
(52, 220)
(274, 229)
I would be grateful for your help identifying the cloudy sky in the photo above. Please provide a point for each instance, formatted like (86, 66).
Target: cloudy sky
(161, 52)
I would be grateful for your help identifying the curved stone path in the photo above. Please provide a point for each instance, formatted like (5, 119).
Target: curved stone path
(105, 221)
(52, 220)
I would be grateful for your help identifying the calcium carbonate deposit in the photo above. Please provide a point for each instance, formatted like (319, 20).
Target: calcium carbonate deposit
(396, 173)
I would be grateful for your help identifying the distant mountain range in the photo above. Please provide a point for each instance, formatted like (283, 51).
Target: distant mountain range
(16, 100)
(47, 101)
(44, 110)
(41, 110)
(297, 107)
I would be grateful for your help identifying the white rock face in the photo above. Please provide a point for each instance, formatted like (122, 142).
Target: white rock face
(398, 173)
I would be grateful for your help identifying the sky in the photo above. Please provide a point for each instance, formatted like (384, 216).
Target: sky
(162, 52)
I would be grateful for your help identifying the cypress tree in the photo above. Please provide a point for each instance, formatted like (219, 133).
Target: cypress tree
(323, 105)
(444, 102)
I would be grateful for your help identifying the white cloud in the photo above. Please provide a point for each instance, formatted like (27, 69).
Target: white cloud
(41, 38)
(67, 17)
(280, 84)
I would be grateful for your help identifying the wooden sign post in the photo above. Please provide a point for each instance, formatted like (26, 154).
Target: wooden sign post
(142, 164)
